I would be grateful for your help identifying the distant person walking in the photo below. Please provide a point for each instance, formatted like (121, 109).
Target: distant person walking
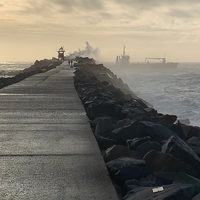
(69, 62)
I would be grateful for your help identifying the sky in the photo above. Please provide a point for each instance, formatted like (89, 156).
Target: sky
(31, 30)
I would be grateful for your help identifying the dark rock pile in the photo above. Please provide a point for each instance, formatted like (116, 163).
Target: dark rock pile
(148, 155)
(38, 67)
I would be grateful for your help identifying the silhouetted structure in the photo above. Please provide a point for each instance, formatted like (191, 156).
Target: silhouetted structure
(61, 52)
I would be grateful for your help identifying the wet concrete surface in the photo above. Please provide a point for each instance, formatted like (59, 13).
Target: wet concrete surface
(47, 149)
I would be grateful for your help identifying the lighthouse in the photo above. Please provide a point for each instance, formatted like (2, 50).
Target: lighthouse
(61, 52)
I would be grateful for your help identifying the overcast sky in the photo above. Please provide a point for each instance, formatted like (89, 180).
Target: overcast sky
(31, 30)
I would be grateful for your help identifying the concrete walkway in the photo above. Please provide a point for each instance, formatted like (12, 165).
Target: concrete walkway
(47, 149)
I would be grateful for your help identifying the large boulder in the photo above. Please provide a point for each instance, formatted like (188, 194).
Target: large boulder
(185, 132)
(176, 128)
(101, 108)
(195, 149)
(166, 162)
(156, 131)
(104, 127)
(118, 151)
(171, 119)
(180, 177)
(148, 146)
(123, 169)
(124, 133)
(178, 148)
(136, 142)
(194, 141)
(196, 197)
(174, 191)
(122, 123)
(105, 143)
(152, 180)
(149, 181)
(93, 123)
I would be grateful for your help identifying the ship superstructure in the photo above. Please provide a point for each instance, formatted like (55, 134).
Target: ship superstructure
(124, 60)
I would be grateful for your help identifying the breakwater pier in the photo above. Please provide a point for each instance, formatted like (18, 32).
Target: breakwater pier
(47, 149)
(64, 130)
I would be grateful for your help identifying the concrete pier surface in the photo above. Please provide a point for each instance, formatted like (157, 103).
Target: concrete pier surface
(47, 148)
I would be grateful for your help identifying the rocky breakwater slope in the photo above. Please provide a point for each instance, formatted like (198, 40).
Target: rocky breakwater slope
(148, 155)
(38, 67)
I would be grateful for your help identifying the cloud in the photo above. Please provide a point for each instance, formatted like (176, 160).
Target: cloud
(106, 15)
(180, 13)
(79, 5)
(150, 4)
(100, 17)
(39, 8)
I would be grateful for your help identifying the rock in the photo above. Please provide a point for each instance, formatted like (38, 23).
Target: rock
(124, 133)
(93, 123)
(123, 169)
(189, 131)
(150, 110)
(125, 113)
(178, 148)
(185, 132)
(136, 142)
(103, 77)
(148, 146)
(166, 162)
(104, 127)
(171, 118)
(105, 143)
(136, 116)
(196, 197)
(180, 177)
(116, 93)
(128, 185)
(196, 150)
(156, 131)
(183, 121)
(122, 123)
(174, 191)
(117, 151)
(176, 128)
(102, 108)
(194, 141)
(82, 60)
(149, 181)
(158, 119)
(152, 180)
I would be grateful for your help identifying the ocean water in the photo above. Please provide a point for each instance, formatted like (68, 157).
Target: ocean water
(7, 67)
(170, 91)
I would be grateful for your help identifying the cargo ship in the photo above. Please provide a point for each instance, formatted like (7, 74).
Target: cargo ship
(124, 61)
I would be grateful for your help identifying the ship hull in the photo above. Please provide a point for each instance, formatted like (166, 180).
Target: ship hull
(150, 65)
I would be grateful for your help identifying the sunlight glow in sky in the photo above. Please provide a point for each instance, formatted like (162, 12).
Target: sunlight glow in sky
(35, 30)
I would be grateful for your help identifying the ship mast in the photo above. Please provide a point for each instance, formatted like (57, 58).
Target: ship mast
(124, 53)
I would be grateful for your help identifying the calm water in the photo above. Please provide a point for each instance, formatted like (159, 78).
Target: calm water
(172, 91)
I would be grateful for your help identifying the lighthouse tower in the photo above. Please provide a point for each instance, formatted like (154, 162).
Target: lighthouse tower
(61, 52)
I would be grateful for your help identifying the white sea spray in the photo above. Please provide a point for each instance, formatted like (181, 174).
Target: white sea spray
(170, 91)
